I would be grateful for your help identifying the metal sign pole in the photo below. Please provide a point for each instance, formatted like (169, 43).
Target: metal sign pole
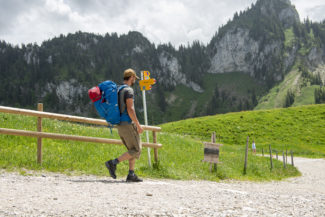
(146, 118)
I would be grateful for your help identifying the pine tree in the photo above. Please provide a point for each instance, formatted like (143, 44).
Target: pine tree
(289, 99)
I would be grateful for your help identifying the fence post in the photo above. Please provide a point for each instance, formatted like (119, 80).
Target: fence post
(286, 156)
(213, 140)
(271, 157)
(292, 158)
(39, 139)
(276, 152)
(154, 137)
(284, 160)
(263, 152)
(246, 155)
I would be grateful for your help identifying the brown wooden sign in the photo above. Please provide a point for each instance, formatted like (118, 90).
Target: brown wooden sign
(211, 150)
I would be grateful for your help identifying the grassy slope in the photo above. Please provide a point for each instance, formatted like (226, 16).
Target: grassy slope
(276, 96)
(298, 128)
(180, 158)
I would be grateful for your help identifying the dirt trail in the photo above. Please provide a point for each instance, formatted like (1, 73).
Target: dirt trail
(50, 194)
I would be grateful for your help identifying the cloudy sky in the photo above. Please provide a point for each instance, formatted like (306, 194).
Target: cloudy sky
(161, 21)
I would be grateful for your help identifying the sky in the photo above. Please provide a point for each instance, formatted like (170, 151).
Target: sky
(161, 21)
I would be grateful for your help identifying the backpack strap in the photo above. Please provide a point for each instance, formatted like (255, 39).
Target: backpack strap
(121, 87)
(121, 98)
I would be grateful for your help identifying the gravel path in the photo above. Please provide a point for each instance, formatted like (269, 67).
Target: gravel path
(51, 194)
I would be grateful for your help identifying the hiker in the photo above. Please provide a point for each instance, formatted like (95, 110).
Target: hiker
(254, 147)
(128, 129)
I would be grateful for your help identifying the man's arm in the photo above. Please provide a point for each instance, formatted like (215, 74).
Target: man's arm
(132, 114)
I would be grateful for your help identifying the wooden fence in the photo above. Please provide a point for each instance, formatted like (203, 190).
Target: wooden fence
(284, 158)
(39, 134)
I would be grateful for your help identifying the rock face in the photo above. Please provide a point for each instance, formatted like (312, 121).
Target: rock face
(69, 94)
(68, 91)
(290, 58)
(281, 9)
(316, 57)
(289, 16)
(238, 52)
(171, 70)
(171, 74)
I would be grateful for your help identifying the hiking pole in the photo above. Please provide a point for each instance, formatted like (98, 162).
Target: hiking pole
(145, 118)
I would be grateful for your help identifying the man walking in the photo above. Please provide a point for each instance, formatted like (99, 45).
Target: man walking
(129, 129)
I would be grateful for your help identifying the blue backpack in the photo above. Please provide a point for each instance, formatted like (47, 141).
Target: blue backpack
(105, 98)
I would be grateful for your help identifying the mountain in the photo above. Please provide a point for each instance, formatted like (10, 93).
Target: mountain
(245, 64)
(302, 84)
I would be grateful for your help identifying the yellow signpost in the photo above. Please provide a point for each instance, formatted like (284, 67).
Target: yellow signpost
(145, 84)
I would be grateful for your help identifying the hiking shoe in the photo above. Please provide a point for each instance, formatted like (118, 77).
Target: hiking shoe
(133, 178)
(111, 168)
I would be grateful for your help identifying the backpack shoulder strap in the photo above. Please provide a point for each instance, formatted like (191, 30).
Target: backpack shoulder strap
(121, 87)
(121, 98)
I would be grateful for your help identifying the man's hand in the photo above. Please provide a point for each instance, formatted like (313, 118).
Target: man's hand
(133, 116)
(140, 129)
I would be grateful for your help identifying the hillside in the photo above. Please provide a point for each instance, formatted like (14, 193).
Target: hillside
(306, 76)
(298, 128)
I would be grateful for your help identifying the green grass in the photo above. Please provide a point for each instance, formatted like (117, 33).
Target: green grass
(180, 158)
(306, 96)
(289, 38)
(276, 96)
(304, 93)
(300, 129)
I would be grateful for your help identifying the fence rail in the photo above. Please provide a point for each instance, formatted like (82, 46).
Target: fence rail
(64, 117)
(40, 114)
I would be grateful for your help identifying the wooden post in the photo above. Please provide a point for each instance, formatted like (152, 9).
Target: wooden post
(276, 152)
(213, 140)
(284, 160)
(39, 139)
(271, 160)
(286, 156)
(154, 137)
(292, 158)
(263, 152)
(246, 155)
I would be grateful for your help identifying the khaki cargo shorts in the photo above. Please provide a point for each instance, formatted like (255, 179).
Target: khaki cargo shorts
(131, 139)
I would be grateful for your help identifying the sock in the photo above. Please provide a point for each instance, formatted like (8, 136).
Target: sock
(131, 172)
(115, 161)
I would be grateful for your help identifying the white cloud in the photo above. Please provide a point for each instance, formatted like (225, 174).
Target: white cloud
(161, 21)
(57, 6)
(313, 9)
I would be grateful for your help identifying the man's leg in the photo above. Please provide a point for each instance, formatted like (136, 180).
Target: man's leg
(132, 164)
(111, 164)
(132, 160)
(125, 156)
(132, 177)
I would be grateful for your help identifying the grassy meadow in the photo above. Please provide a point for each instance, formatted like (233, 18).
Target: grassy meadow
(299, 129)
